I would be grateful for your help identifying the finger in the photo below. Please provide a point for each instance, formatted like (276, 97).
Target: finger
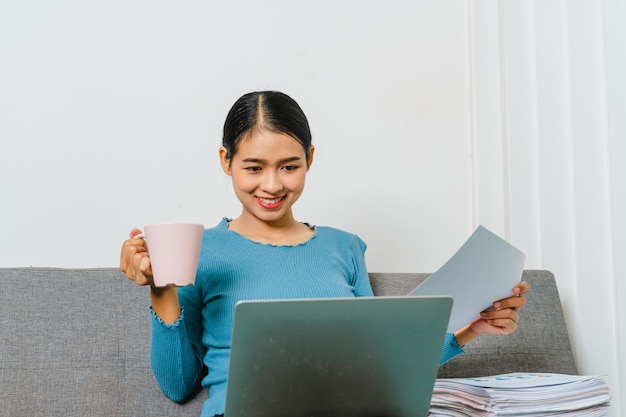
(125, 256)
(505, 319)
(506, 326)
(145, 267)
(511, 302)
(135, 232)
(139, 242)
(141, 271)
(503, 314)
(521, 288)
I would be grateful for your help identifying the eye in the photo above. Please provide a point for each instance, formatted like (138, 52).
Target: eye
(253, 169)
(290, 167)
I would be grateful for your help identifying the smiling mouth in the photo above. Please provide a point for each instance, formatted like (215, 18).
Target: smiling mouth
(270, 203)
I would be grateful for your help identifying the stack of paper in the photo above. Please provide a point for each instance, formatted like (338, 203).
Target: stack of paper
(521, 394)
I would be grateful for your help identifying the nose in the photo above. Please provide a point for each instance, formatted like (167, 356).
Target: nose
(271, 183)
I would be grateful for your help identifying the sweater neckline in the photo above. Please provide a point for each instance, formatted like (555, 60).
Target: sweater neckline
(226, 220)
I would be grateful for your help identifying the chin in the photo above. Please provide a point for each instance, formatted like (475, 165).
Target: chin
(272, 216)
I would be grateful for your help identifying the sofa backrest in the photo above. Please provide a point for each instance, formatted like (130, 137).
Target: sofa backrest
(74, 342)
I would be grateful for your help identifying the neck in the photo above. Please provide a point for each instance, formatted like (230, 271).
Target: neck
(286, 231)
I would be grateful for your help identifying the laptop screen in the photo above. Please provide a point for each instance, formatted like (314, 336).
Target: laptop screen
(366, 356)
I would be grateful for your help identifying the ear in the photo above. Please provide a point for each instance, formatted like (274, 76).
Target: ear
(310, 161)
(225, 161)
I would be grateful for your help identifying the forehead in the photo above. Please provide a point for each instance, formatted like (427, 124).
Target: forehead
(264, 144)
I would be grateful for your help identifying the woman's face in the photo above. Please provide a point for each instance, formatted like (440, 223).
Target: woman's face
(268, 173)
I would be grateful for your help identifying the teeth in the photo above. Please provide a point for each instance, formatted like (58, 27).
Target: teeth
(270, 200)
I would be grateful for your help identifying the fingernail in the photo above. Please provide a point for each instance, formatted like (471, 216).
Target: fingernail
(497, 305)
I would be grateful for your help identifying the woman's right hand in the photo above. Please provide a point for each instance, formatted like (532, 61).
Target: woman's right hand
(134, 259)
(135, 262)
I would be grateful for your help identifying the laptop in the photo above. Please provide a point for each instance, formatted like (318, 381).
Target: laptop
(348, 357)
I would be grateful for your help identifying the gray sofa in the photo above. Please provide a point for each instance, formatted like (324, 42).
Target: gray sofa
(74, 342)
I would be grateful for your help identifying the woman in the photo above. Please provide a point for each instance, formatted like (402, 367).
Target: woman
(264, 253)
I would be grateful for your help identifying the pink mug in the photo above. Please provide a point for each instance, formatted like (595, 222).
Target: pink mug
(174, 250)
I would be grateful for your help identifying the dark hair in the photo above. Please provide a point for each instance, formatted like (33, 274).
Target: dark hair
(269, 110)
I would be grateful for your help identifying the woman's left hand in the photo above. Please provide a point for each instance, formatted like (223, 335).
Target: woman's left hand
(503, 317)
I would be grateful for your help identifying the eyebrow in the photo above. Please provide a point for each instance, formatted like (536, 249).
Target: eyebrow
(282, 161)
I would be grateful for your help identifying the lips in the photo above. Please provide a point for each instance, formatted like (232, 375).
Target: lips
(270, 203)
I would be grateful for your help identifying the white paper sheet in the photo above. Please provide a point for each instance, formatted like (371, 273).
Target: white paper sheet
(485, 269)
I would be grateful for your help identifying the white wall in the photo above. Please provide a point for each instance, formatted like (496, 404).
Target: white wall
(615, 59)
(112, 111)
(428, 117)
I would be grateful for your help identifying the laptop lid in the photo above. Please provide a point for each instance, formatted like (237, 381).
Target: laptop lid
(365, 356)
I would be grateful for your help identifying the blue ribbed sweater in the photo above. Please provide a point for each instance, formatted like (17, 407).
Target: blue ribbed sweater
(234, 268)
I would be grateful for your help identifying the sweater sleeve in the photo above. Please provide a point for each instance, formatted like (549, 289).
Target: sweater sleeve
(175, 351)
(451, 349)
(360, 278)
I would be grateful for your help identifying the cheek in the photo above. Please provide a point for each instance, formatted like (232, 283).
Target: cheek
(296, 182)
(244, 182)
